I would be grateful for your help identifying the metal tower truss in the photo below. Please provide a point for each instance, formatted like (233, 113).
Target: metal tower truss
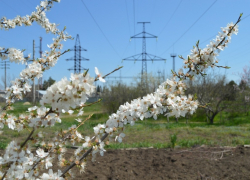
(77, 56)
(144, 56)
(173, 56)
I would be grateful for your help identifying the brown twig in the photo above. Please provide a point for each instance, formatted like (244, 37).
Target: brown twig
(92, 103)
(96, 79)
(4, 175)
(83, 156)
(22, 145)
(50, 111)
(28, 138)
(84, 121)
(39, 161)
(239, 19)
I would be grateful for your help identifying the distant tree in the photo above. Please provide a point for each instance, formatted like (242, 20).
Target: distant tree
(243, 98)
(213, 93)
(232, 86)
(243, 85)
(244, 90)
(245, 77)
(48, 83)
(115, 95)
(98, 89)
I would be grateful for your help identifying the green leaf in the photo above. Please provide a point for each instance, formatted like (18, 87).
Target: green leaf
(197, 44)
(195, 96)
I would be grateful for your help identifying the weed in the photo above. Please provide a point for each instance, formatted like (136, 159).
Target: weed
(173, 139)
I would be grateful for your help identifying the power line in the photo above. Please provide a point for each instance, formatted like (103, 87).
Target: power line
(191, 26)
(245, 17)
(28, 4)
(100, 28)
(127, 17)
(134, 21)
(153, 10)
(202, 42)
(17, 13)
(32, 2)
(128, 27)
(170, 17)
(126, 49)
(10, 7)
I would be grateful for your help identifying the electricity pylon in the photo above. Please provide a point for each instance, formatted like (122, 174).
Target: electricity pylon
(144, 56)
(77, 57)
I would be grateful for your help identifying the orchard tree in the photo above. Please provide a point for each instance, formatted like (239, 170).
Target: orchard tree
(213, 93)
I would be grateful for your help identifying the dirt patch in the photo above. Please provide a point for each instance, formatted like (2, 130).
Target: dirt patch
(199, 163)
(189, 164)
(26, 103)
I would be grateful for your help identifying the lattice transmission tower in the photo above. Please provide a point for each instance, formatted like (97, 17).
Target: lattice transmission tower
(144, 56)
(77, 56)
(173, 55)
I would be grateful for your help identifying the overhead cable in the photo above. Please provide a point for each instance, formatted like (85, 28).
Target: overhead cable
(100, 28)
(190, 26)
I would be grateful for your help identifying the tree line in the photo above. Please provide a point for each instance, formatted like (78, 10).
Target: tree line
(213, 91)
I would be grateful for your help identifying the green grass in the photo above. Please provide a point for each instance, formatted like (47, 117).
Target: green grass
(143, 144)
(227, 130)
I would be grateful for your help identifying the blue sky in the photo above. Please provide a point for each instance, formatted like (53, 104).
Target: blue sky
(108, 42)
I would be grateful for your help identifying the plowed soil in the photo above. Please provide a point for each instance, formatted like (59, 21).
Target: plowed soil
(197, 163)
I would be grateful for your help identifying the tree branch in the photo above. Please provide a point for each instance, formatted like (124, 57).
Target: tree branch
(83, 156)
(96, 79)
(28, 138)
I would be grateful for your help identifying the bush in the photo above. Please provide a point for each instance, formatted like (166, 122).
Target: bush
(118, 94)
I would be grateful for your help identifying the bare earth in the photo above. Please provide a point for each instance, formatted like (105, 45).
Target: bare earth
(190, 164)
(199, 163)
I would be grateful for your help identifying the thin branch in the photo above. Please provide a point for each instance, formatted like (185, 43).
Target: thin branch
(22, 145)
(50, 111)
(4, 175)
(228, 33)
(83, 121)
(96, 79)
(40, 160)
(83, 156)
(92, 103)
(28, 138)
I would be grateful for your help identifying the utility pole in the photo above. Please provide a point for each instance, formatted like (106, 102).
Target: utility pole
(173, 56)
(5, 69)
(40, 80)
(159, 74)
(144, 56)
(77, 57)
(34, 92)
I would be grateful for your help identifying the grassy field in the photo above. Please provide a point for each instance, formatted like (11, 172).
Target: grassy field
(228, 130)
